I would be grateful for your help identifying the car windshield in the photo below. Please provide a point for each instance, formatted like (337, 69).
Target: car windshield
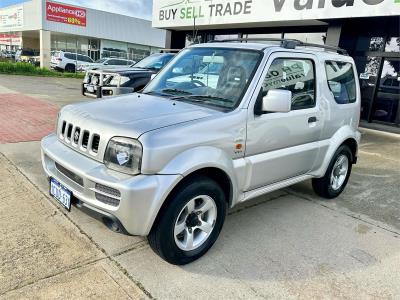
(100, 61)
(215, 77)
(155, 61)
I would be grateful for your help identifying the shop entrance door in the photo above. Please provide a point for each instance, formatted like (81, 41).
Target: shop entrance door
(386, 106)
(94, 49)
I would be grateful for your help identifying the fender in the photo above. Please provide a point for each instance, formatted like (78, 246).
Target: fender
(344, 133)
(202, 157)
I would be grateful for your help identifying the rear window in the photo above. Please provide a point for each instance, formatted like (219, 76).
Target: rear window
(341, 81)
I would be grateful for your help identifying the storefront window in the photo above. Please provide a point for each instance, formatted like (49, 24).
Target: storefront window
(386, 106)
(310, 37)
(377, 44)
(138, 52)
(221, 37)
(368, 68)
(393, 44)
(263, 36)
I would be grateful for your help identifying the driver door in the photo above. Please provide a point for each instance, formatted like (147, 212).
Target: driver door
(284, 145)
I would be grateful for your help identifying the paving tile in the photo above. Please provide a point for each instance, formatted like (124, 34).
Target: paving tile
(24, 118)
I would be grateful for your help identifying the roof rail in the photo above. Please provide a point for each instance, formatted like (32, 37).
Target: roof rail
(284, 43)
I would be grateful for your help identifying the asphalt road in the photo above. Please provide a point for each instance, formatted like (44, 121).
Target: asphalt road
(289, 244)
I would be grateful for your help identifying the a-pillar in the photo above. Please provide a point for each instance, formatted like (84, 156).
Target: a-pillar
(45, 48)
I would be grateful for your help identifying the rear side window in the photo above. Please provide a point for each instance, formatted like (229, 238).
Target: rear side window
(341, 81)
(70, 56)
(295, 75)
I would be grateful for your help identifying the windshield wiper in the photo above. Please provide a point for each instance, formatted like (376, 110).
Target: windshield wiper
(176, 91)
(210, 97)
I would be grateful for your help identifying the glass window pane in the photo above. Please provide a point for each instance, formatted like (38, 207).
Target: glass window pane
(295, 75)
(386, 106)
(310, 37)
(393, 44)
(341, 81)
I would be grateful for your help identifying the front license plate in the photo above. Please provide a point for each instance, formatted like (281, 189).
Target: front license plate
(60, 193)
(90, 89)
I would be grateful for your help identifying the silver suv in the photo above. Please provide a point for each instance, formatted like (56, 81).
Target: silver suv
(221, 124)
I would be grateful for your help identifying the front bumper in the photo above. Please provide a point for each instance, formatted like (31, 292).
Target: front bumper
(140, 198)
(104, 91)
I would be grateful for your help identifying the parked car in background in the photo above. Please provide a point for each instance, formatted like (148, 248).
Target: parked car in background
(106, 63)
(68, 61)
(8, 54)
(111, 82)
(169, 162)
(28, 55)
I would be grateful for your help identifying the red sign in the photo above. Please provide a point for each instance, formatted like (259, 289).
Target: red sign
(65, 14)
(10, 39)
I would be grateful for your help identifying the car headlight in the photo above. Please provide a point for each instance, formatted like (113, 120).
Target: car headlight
(124, 155)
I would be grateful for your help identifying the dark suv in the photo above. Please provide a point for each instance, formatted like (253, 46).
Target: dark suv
(104, 83)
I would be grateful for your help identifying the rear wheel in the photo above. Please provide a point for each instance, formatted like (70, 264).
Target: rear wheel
(191, 222)
(70, 68)
(336, 176)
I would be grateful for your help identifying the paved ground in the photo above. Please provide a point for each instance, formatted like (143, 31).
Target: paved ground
(289, 244)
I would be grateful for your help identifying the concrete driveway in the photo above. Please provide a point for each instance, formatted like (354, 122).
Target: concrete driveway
(288, 244)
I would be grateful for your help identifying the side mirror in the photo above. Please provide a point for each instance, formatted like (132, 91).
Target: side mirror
(106, 63)
(277, 101)
(152, 76)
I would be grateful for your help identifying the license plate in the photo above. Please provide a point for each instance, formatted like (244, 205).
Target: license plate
(60, 193)
(90, 89)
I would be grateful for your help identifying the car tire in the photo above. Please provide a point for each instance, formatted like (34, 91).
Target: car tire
(177, 230)
(70, 68)
(337, 175)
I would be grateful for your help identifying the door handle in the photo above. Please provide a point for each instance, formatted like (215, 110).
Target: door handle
(312, 120)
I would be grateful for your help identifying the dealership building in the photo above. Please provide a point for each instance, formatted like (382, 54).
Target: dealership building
(367, 29)
(47, 26)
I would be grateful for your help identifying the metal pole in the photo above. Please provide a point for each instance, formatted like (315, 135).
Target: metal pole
(76, 54)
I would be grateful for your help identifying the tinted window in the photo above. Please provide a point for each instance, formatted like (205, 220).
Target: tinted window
(155, 61)
(84, 58)
(117, 62)
(341, 81)
(295, 75)
(70, 56)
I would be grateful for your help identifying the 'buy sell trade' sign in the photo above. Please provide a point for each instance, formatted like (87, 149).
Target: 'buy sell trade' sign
(65, 14)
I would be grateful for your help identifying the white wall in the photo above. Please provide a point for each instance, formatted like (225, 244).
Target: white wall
(104, 25)
(32, 16)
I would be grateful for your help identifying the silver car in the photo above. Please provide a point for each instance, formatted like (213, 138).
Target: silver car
(169, 162)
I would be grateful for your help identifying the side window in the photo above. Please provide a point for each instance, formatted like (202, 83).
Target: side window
(70, 56)
(81, 58)
(113, 62)
(295, 75)
(87, 59)
(341, 81)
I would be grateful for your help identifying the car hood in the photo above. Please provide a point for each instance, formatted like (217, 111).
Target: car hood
(132, 115)
(127, 70)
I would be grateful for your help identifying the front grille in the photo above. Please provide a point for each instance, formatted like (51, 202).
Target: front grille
(94, 79)
(95, 143)
(85, 139)
(69, 131)
(71, 175)
(107, 200)
(78, 137)
(107, 194)
(64, 125)
(108, 190)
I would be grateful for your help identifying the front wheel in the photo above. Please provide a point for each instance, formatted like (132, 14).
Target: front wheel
(336, 176)
(190, 223)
